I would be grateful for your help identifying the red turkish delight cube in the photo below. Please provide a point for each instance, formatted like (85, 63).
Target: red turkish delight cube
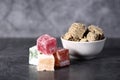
(61, 57)
(46, 44)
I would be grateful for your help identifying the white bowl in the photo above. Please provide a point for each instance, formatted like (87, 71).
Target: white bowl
(87, 50)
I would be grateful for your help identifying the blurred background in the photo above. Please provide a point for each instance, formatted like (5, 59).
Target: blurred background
(32, 18)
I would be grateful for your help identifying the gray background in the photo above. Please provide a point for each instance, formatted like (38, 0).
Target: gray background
(32, 18)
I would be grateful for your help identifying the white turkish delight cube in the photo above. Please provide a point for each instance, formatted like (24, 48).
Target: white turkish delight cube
(33, 55)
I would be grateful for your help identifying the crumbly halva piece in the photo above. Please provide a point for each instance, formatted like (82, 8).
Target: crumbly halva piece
(68, 36)
(98, 31)
(92, 36)
(75, 32)
(84, 40)
(78, 32)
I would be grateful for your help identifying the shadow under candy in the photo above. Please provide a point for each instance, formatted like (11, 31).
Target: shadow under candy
(58, 74)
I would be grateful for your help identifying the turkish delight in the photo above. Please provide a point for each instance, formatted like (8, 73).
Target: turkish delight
(46, 55)
(62, 57)
(46, 44)
(46, 63)
(33, 55)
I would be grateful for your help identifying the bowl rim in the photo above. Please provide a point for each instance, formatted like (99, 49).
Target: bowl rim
(85, 42)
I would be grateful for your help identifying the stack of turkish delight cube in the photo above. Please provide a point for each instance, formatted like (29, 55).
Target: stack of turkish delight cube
(46, 56)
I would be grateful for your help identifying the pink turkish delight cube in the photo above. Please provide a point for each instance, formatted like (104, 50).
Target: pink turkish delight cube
(46, 44)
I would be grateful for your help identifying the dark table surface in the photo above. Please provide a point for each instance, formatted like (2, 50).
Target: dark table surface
(14, 63)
